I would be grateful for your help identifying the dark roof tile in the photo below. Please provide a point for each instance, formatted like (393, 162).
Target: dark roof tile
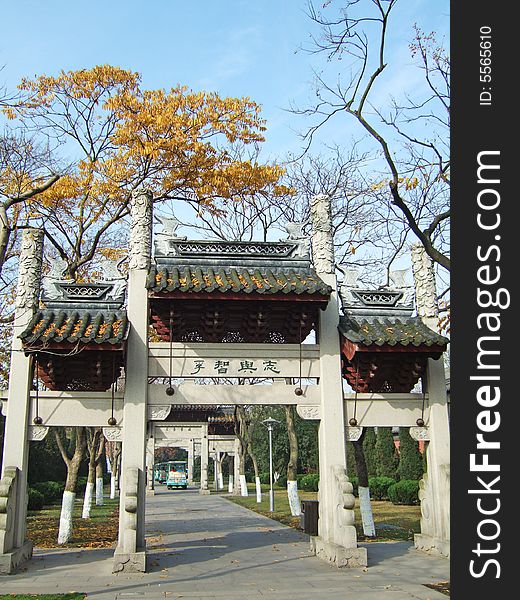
(50, 326)
(244, 280)
(392, 331)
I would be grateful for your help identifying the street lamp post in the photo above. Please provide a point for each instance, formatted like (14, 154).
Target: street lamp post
(269, 423)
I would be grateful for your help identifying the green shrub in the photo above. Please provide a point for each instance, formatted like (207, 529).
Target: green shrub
(309, 482)
(379, 487)
(36, 500)
(405, 491)
(51, 490)
(264, 478)
(282, 481)
(81, 485)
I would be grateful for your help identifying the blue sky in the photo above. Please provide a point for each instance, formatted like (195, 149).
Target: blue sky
(235, 47)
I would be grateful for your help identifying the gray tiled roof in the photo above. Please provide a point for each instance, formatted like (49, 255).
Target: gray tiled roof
(72, 326)
(392, 331)
(277, 280)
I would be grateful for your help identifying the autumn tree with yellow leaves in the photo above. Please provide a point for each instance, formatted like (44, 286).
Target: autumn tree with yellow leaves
(105, 136)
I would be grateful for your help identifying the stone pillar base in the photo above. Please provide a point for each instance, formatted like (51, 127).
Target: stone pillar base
(338, 555)
(205, 492)
(129, 562)
(431, 545)
(10, 561)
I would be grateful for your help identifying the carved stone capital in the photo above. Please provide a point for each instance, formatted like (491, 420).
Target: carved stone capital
(322, 238)
(309, 413)
(113, 434)
(420, 434)
(159, 412)
(37, 433)
(425, 287)
(354, 433)
(29, 270)
(141, 229)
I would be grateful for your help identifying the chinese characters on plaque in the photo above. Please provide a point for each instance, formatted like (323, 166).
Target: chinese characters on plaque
(213, 368)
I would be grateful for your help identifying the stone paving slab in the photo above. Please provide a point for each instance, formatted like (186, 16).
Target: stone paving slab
(210, 548)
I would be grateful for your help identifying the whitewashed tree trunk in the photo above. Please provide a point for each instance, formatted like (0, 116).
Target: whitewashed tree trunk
(365, 507)
(258, 490)
(99, 491)
(87, 500)
(112, 486)
(243, 486)
(67, 507)
(231, 484)
(294, 498)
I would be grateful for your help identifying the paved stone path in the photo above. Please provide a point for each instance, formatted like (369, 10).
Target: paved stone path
(207, 547)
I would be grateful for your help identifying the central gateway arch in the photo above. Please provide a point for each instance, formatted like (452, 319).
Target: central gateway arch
(200, 311)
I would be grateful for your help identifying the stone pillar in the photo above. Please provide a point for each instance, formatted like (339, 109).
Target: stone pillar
(425, 287)
(191, 457)
(150, 460)
(204, 460)
(434, 491)
(130, 554)
(14, 547)
(215, 472)
(337, 539)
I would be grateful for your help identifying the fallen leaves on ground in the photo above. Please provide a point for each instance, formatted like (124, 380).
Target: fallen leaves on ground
(441, 586)
(86, 533)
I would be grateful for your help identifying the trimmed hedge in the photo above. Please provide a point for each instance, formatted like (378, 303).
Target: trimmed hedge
(405, 491)
(51, 490)
(309, 482)
(36, 499)
(379, 487)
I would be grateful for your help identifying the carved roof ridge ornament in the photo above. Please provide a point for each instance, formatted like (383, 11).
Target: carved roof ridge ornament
(296, 233)
(220, 250)
(163, 238)
(395, 300)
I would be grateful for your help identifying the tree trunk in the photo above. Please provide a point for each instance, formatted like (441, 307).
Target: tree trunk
(95, 446)
(113, 454)
(292, 465)
(99, 469)
(241, 433)
(257, 475)
(99, 484)
(365, 505)
(69, 494)
(89, 488)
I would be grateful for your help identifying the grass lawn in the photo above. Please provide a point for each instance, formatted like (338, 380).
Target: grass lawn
(393, 522)
(100, 531)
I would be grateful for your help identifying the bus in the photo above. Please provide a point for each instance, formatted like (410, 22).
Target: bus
(177, 474)
(160, 472)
